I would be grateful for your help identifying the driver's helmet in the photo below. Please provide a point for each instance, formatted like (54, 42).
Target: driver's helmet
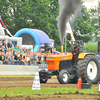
(74, 44)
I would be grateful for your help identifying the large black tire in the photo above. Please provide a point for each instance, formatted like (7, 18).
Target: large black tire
(63, 77)
(58, 78)
(88, 69)
(72, 78)
(43, 80)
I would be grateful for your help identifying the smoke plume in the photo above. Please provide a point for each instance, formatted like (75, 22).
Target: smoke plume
(67, 9)
(87, 0)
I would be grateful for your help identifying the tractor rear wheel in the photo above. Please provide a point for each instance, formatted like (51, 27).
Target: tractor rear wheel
(88, 69)
(72, 78)
(63, 77)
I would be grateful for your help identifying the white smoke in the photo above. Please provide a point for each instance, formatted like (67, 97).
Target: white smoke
(87, 0)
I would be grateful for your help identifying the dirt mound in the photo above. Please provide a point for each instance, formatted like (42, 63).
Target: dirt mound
(56, 96)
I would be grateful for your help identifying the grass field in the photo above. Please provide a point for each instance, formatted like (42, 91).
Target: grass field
(51, 90)
(46, 91)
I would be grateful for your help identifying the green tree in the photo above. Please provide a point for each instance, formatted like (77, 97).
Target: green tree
(90, 48)
(36, 14)
(68, 47)
(83, 30)
(95, 21)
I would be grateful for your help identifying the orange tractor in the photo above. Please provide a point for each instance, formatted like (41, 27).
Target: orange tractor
(61, 65)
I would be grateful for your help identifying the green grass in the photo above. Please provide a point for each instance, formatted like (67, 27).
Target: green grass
(17, 75)
(44, 91)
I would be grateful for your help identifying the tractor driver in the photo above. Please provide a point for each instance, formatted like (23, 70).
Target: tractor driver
(75, 53)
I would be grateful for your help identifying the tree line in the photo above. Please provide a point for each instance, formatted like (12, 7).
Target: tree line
(42, 14)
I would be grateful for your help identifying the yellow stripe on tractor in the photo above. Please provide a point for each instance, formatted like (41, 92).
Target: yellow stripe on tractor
(82, 55)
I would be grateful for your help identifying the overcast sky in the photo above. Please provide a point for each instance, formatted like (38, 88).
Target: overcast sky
(92, 4)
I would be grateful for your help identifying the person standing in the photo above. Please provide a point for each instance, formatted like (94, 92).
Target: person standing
(9, 44)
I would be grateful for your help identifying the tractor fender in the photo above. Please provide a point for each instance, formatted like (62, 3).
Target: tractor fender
(82, 55)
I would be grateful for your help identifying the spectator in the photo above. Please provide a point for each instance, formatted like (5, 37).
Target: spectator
(3, 56)
(23, 52)
(39, 59)
(9, 51)
(12, 49)
(35, 56)
(18, 48)
(16, 59)
(15, 47)
(11, 59)
(21, 59)
(27, 60)
(45, 58)
(42, 59)
(55, 52)
(5, 45)
(0, 58)
(0, 49)
(0, 43)
(14, 52)
(19, 56)
(6, 59)
(3, 48)
(31, 58)
(9, 44)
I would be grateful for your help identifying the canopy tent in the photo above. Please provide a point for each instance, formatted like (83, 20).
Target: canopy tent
(33, 37)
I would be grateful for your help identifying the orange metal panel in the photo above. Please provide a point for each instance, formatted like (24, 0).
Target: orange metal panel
(54, 60)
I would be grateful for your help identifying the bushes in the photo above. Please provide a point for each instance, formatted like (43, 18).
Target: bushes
(68, 47)
(90, 48)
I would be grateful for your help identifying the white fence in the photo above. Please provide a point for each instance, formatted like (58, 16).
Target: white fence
(18, 70)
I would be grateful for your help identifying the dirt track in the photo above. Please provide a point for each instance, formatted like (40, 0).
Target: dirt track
(19, 82)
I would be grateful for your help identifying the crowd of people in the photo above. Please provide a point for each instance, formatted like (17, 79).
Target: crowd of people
(14, 55)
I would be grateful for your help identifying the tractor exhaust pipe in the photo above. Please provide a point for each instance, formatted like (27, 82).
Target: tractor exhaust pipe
(62, 49)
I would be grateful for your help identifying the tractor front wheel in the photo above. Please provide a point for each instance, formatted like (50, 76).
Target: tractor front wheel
(63, 77)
